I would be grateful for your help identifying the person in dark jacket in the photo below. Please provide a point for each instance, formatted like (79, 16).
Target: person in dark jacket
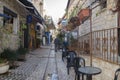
(56, 42)
(64, 49)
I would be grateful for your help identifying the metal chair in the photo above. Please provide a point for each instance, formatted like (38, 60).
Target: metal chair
(71, 60)
(79, 62)
(64, 53)
(117, 72)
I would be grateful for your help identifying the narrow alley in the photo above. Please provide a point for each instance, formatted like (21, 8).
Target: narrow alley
(40, 64)
(59, 39)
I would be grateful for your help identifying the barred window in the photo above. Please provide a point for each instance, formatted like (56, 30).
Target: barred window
(103, 4)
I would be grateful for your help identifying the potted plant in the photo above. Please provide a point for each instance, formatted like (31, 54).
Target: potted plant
(4, 60)
(10, 55)
(4, 66)
(22, 53)
(38, 42)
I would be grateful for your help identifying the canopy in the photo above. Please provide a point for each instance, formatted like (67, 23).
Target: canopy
(4, 15)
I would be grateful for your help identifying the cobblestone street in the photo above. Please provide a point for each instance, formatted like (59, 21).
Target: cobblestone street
(40, 64)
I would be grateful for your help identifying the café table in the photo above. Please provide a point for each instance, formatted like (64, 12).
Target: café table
(89, 71)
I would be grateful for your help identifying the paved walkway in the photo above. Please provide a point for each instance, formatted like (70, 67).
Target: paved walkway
(41, 64)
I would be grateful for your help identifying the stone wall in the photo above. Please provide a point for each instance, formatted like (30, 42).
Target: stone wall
(102, 20)
(38, 5)
(108, 69)
(1, 11)
(84, 28)
(71, 8)
(10, 40)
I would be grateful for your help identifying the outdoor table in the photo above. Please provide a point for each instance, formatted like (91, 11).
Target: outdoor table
(89, 71)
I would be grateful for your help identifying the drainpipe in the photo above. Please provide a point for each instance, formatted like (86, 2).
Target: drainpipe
(90, 37)
(91, 8)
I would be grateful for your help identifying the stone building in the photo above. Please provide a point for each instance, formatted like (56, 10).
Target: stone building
(12, 16)
(35, 26)
(49, 32)
(98, 34)
(38, 5)
(18, 20)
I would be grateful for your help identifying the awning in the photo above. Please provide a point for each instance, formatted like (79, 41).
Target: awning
(36, 18)
(30, 7)
(4, 15)
(40, 25)
(10, 12)
(26, 3)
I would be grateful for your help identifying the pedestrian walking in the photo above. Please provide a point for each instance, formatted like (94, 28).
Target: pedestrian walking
(64, 49)
(65, 44)
(56, 42)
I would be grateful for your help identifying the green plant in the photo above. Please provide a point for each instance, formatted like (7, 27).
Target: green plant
(38, 41)
(97, 14)
(21, 50)
(24, 26)
(2, 60)
(61, 36)
(9, 55)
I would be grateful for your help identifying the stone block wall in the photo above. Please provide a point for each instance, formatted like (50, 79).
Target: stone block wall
(1, 11)
(101, 18)
(84, 28)
(104, 18)
(108, 69)
(72, 6)
(10, 40)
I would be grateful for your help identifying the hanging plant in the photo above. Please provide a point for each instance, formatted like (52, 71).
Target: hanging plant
(20, 33)
(23, 26)
(1, 34)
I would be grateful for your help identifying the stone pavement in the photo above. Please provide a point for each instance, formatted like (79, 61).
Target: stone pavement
(41, 64)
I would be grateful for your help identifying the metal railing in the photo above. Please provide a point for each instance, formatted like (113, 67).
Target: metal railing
(105, 44)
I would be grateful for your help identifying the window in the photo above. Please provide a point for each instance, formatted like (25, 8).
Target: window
(105, 45)
(103, 4)
(9, 13)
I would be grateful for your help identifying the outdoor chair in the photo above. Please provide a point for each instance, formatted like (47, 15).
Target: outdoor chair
(117, 74)
(79, 62)
(70, 60)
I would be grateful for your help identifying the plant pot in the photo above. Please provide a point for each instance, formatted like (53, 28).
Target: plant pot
(21, 57)
(4, 67)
